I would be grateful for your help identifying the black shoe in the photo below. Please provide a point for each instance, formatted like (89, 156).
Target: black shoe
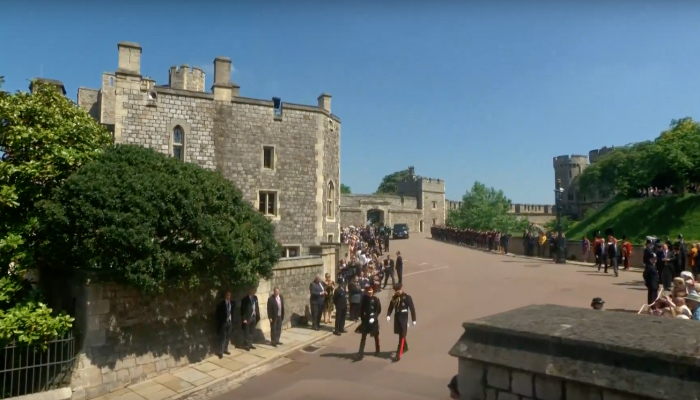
(274, 344)
(252, 347)
(343, 331)
(280, 343)
(220, 356)
(227, 353)
(359, 357)
(247, 349)
(336, 333)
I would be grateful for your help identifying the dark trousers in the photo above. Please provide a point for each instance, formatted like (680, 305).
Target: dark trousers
(611, 262)
(249, 332)
(340, 319)
(275, 329)
(316, 314)
(626, 262)
(354, 311)
(652, 294)
(224, 336)
(364, 340)
(399, 273)
(388, 274)
(505, 248)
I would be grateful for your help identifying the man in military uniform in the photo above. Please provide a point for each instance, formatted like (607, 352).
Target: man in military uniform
(370, 310)
(401, 304)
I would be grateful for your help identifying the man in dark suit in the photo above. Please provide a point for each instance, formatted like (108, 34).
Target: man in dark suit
(250, 315)
(399, 266)
(318, 293)
(388, 271)
(340, 300)
(275, 312)
(224, 313)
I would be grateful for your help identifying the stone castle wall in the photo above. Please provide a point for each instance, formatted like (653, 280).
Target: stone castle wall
(128, 337)
(395, 210)
(230, 135)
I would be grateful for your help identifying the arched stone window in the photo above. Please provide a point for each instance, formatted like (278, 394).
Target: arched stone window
(179, 143)
(330, 201)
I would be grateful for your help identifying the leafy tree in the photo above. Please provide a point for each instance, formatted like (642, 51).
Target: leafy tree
(345, 189)
(155, 221)
(672, 159)
(389, 184)
(45, 138)
(486, 209)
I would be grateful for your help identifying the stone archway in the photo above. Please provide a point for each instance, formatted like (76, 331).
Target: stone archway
(375, 216)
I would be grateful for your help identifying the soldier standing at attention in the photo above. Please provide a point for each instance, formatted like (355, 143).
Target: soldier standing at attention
(401, 304)
(370, 309)
(399, 266)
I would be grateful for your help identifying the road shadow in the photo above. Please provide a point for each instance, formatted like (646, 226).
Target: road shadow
(632, 283)
(384, 355)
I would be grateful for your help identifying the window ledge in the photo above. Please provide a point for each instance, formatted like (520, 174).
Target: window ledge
(272, 217)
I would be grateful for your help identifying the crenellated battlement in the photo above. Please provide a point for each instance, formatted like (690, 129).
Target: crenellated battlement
(574, 159)
(186, 78)
(537, 209)
(594, 155)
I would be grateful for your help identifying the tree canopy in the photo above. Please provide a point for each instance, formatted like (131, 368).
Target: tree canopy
(672, 159)
(486, 208)
(389, 184)
(45, 138)
(155, 221)
(345, 189)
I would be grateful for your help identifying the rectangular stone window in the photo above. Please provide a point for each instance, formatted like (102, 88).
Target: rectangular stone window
(330, 238)
(267, 203)
(434, 205)
(434, 221)
(290, 251)
(268, 157)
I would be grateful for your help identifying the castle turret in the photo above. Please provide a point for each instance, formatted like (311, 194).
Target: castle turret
(186, 78)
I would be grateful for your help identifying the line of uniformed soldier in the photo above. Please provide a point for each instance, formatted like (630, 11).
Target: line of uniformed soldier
(469, 237)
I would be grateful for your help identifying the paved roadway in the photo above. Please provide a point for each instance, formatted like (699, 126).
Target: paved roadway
(449, 285)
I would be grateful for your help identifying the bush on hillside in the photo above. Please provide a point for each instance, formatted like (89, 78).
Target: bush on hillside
(672, 159)
(155, 221)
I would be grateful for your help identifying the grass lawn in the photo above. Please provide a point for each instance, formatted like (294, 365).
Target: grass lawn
(638, 218)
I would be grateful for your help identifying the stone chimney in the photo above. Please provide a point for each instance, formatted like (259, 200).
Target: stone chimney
(324, 102)
(223, 88)
(129, 58)
(53, 82)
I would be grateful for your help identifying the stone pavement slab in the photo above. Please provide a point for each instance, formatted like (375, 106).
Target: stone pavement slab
(215, 375)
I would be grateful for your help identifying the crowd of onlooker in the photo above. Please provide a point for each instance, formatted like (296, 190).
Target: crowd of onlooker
(364, 266)
(654, 191)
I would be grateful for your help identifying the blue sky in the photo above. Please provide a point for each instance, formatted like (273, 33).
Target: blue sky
(464, 91)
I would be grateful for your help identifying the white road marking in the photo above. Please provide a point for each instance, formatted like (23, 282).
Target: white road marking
(423, 264)
(427, 270)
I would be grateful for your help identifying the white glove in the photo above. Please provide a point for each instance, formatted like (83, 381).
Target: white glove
(371, 320)
(414, 323)
(388, 318)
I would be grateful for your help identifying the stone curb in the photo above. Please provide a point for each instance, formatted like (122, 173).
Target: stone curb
(568, 262)
(229, 382)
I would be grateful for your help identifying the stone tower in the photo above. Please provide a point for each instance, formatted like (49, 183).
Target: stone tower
(568, 168)
(186, 78)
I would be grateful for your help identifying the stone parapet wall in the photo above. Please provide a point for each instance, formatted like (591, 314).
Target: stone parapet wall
(127, 337)
(547, 352)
